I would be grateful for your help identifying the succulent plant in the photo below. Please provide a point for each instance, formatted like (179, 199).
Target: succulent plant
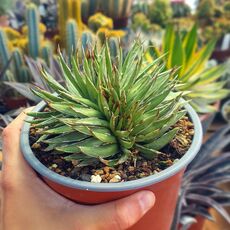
(195, 76)
(109, 108)
(200, 189)
(99, 20)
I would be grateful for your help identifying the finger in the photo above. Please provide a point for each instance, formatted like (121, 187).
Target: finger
(11, 136)
(120, 214)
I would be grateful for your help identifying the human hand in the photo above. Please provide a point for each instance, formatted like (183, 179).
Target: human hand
(28, 203)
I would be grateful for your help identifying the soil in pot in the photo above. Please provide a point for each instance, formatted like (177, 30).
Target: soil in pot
(135, 168)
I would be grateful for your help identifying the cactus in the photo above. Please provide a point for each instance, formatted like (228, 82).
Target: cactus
(20, 69)
(24, 74)
(17, 59)
(99, 20)
(71, 36)
(117, 8)
(32, 17)
(87, 40)
(4, 51)
(104, 33)
(88, 8)
(69, 9)
(46, 52)
(76, 12)
(114, 47)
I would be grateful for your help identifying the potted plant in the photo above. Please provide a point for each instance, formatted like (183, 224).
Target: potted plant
(204, 85)
(116, 121)
(200, 189)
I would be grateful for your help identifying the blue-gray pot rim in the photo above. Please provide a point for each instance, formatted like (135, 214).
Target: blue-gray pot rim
(111, 187)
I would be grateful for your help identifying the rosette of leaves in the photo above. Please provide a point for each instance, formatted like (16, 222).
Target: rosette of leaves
(110, 107)
(203, 83)
(200, 189)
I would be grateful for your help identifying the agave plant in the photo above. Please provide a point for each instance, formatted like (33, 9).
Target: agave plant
(109, 108)
(200, 191)
(193, 72)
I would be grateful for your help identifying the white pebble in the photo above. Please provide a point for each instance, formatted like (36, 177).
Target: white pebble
(115, 179)
(96, 179)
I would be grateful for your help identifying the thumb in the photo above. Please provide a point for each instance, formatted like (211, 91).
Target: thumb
(121, 214)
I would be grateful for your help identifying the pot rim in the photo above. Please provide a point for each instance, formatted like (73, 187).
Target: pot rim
(111, 187)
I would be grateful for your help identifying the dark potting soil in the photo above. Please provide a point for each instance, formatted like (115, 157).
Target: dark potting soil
(134, 168)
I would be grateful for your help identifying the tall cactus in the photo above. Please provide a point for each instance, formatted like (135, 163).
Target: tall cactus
(20, 69)
(4, 55)
(71, 36)
(116, 8)
(113, 46)
(32, 18)
(69, 9)
(88, 8)
(46, 52)
(4, 51)
(87, 40)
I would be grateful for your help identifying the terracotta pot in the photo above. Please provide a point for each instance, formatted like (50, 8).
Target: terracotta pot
(14, 102)
(221, 55)
(165, 184)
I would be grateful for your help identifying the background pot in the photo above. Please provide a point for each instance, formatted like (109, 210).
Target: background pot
(14, 102)
(165, 184)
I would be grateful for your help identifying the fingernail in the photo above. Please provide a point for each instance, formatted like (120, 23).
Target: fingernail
(146, 201)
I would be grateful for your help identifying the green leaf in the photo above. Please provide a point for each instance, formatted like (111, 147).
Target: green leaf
(190, 43)
(57, 130)
(92, 121)
(198, 61)
(103, 135)
(147, 152)
(79, 100)
(100, 151)
(49, 97)
(168, 39)
(87, 112)
(66, 137)
(177, 56)
(163, 140)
